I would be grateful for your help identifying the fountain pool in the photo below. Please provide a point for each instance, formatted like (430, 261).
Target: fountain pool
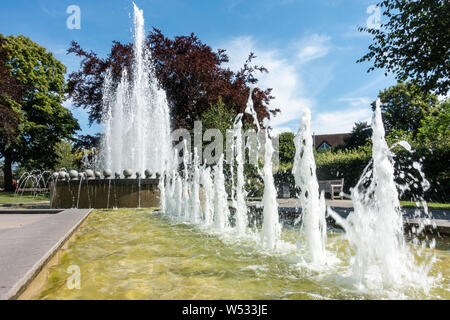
(197, 248)
(137, 254)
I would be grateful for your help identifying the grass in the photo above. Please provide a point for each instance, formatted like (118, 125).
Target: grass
(11, 198)
(431, 205)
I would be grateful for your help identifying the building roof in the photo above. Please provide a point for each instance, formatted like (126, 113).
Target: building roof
(332, 139)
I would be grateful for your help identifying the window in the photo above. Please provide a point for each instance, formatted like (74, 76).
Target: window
(324, 146)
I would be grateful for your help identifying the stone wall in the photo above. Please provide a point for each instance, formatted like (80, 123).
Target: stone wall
(105, 193)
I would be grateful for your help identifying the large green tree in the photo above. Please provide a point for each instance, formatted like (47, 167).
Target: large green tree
(413, 42)
(404, 106)
(360, 135)
(39, 85)
(435, 128)
(10, 96)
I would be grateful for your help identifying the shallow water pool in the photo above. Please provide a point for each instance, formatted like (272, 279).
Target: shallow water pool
(137, 254)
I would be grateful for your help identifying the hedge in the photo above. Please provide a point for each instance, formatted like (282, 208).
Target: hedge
(349, 165)
(343, 164)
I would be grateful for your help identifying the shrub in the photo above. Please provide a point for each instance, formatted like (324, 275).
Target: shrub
(346, 164)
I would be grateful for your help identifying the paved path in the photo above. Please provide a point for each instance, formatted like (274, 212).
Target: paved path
(28, 242)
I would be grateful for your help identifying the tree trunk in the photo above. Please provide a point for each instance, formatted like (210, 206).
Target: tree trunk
(7, 169)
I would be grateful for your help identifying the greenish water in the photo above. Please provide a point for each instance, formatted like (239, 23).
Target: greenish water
(134, 254)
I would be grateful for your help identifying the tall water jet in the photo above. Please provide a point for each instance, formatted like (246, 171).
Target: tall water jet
(136, 122)
(313, 205)
(250, 109)
(170, 199)
(186, 203)
(240, 205)
(271, 229)
(162, 193)
(375, 228)
(208, 189)
(221, 210)
(178, 196)
(195, 187)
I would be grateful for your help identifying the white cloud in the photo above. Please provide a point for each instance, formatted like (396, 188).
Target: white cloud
(341, 121)
(357, 101)
(313, 47)
(279, 130)
(297, 78)
(283, 77)
(295, 85)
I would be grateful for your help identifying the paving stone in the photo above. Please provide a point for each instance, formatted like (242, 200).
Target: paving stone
(27, 242)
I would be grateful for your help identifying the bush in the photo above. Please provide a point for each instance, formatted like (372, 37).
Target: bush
(331, 165)
(343, 164)
(349, 164)
(436, 168)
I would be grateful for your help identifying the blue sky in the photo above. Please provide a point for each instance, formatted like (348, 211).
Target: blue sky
(310, 47)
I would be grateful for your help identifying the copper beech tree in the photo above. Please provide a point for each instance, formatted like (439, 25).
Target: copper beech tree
(192, 74)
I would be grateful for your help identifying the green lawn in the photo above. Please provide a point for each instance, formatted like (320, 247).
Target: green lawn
(7, 198)
(431, 205)
(10, 197)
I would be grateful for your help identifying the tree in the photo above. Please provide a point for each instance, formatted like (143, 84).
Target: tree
(10, 95)
(286, 148)
(360, 135)
(218, 116)
(190, 71)
(44, 121)
(9, 125)
(86, 144)
(414, 43)
(435, 128)
(404, 106)
(66, 158)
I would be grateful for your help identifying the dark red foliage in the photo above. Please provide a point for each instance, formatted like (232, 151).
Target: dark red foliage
(85, 86)
(190, 71)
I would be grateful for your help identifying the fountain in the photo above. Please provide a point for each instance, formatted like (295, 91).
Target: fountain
(239, 200)
(36, 182)
(221, 210)
(375, 228)
(85, 190)
(193, 198)
(313, 225)
(208, 208)
(144, 146)
(271, 229)
(195, 187)
(137, 100)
